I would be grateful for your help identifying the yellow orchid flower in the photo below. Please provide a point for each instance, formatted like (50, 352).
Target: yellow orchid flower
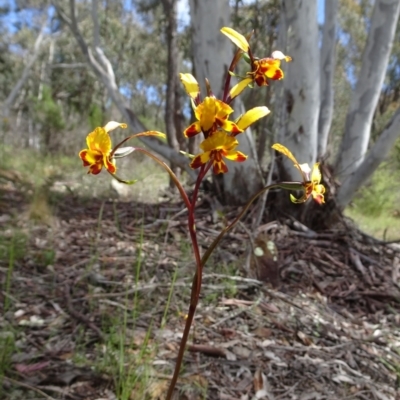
(311, 178)
(212, 114)
(215, 147)
(99, 148)
(263, 70)
(269, 68)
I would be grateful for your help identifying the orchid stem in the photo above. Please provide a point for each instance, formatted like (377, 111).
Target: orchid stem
(197, 279)
(216, 241)
(175, 179)
(196, 284)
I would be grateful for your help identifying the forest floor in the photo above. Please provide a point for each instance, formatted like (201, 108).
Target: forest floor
(94, 295)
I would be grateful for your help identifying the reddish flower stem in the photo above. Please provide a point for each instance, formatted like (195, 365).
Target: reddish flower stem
(196, 284)
(181, 190)
(235, 60)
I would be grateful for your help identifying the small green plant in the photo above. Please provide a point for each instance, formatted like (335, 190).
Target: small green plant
(375, 208)
(11, 249)
(50, 116)
(371, 202)
(15, 242)
(7, 347)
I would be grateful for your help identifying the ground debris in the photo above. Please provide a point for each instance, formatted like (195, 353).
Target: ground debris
(329, 328)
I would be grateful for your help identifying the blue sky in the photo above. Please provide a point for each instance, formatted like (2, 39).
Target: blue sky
(183, 13)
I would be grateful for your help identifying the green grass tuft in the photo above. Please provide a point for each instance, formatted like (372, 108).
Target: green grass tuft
(375, 208)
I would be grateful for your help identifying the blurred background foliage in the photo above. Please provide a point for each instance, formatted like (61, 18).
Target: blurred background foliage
(61, 100)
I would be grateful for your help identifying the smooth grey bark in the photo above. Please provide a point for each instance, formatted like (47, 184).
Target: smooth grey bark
(327, 69)
(278, 108)
(103, 69)
(375, 156)
(170, 10)
(301, 98)
(366, 94)
(213, 54)
(243, 179)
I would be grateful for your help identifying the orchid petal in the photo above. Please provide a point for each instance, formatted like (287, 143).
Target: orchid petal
(236, 38)
(316, 174)
(192, 130)
(110, 126)
(99, 140)
(219, 140)
(239, 87)
(237, 156)
(219, 167)
(284, 150)
(230, 126)
(252, 116)
(278, 55)
(191, 85)
(302, 199)
(200, 160)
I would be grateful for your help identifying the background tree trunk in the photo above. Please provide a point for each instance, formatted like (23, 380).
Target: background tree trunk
(366, 94)
(327, 69)
(301, 84)
(373, 159)
(212, 56)
(243, 179)
(170, 10)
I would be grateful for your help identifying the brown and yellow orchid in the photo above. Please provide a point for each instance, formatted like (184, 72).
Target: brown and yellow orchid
(219, 132)
(262, 70)
(212, 118)
(211, 113)
(311, 178)
(99, 149)
(215, 147)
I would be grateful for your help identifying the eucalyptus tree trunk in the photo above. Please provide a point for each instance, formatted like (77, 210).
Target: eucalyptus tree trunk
(301, 97)
(170, 10)
(365, 99)
(371, 162)
(212, 56)
(327, 69)
(307, 108)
